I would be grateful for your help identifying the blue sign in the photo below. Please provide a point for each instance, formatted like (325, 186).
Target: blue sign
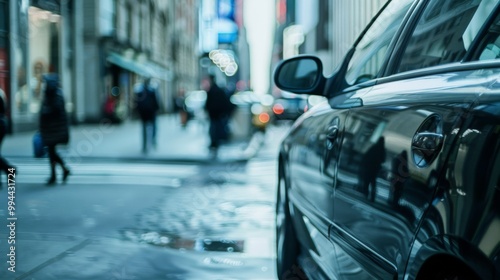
(226, 25)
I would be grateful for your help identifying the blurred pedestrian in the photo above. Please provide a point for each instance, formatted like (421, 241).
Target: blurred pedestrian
(111, 106)
(219, 109)
(180, 106)
(4, 165)
(54, 126)
(147, 106)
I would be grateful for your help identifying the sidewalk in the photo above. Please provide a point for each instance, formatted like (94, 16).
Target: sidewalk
(123, 141)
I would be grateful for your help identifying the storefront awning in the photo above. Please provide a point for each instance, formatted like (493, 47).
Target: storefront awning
(159, 72)
(146, 69)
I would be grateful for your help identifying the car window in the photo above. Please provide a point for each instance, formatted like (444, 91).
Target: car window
(372, 48)
(490, 47)
(444, 32)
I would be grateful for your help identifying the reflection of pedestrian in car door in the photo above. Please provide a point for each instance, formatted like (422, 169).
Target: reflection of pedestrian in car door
(399, 175)
(370, 166)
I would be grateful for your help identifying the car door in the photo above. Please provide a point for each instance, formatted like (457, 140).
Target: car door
(317, 136)
(315, 142)
(465, 213)
(311, 148)
(314, 139)
(397, 142)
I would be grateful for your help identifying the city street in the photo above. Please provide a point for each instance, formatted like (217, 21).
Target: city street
(158, 216)
(249, 139)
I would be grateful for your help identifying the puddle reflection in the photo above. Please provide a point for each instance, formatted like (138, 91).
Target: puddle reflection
(175, 242)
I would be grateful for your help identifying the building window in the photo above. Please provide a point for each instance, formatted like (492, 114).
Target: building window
(43, 57)
(128, 23)
(322, 31)
(152, 17)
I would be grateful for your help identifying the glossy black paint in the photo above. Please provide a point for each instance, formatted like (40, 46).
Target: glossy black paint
(397, 177)
(300, 74)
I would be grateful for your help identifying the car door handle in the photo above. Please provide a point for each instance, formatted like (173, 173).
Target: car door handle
(427, 142)
(332, 132)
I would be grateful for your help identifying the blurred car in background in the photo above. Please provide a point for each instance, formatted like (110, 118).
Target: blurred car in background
(194, 105)
(252, 113)
(256, 108)
(289, 108)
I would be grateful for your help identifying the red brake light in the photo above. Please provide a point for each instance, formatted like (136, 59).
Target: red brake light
(278, 109)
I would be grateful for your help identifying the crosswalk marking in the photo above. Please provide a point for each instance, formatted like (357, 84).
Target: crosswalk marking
(35, 171)
(268, 167)
(168, 175)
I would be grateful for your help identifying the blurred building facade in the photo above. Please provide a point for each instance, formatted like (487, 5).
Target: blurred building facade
(100, 48)
(323, 28)
(4, 43)
(223, 45)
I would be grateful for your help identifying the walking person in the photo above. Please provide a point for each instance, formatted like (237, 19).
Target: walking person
(147, 105)
(219, 109)
(54, 127)
(180, 106)
(4, 165)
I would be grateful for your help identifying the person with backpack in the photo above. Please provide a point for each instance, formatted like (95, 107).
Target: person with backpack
(147, 106)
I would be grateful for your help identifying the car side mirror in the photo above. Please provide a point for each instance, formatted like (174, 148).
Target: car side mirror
(301, 74)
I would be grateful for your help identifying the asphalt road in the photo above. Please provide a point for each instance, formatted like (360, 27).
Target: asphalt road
(133, 219)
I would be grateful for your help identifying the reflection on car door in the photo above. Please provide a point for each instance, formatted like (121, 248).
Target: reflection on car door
(371, 52)
(312, 165)
(396, 144)
(393, 150)
(468, 208)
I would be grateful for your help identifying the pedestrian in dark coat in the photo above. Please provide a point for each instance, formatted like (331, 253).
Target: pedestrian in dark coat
(4, 165)
(147, 104)
(54, 127)
(219, 109)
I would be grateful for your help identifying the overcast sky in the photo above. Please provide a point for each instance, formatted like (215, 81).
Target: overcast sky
(259, 19)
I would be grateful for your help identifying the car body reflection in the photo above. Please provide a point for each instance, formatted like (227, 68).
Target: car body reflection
(396, 176)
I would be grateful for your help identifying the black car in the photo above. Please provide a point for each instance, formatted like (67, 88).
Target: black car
(289, 108)
(397, 174)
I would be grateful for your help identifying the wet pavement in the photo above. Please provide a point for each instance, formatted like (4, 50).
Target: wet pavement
(123, 141)
(147, 218)
(107, 258)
